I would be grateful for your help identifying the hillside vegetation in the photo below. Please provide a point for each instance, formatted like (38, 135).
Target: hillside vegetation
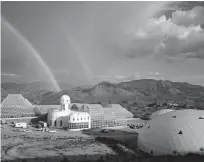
(144, 95)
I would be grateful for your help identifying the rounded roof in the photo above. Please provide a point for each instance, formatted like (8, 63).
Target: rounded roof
(160, 112)
(77, 113)
(37, 111)
(65, 99)
(175, 132)
(79, 116)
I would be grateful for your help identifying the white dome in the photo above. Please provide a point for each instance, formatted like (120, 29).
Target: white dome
(37, 111)
(179, 131)
(160, 112)
(65, 100)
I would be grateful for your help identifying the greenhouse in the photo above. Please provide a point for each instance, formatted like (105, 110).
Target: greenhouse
(16, 106)
(114, 115)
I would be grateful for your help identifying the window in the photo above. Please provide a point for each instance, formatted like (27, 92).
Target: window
(61, 123)
(78, 125)
(55, 123)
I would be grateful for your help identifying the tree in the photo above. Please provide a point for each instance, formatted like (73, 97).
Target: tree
(74, 107)
(85, 108)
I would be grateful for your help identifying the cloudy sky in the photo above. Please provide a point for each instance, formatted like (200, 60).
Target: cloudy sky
(89, 42)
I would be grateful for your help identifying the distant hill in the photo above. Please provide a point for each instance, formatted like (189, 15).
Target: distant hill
(3, 94)
(134, 95)
(13, 87)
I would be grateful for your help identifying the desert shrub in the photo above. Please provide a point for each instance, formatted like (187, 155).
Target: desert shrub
(3, 121)
(74, 107)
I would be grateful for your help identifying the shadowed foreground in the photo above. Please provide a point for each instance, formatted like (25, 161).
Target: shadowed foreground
(90, 145)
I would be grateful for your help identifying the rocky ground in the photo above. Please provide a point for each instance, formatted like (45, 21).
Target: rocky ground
(44, 145)
(90, 145)
(59, 146)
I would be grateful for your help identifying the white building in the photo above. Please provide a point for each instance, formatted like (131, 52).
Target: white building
(65, 118)
(160, 112)
(172, 133)
(21, 125)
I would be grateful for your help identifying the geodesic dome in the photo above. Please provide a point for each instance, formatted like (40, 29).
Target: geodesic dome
(176, 132)
(160, 112)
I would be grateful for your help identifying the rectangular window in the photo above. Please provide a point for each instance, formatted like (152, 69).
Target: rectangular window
(61, 123)
(55, 123)
(79, 125)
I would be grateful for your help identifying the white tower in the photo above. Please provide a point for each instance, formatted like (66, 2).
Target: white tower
(65, 102)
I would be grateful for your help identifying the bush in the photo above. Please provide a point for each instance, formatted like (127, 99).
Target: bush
(74, 107)
(3, 121)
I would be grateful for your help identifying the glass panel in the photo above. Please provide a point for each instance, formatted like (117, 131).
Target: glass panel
(79, 125)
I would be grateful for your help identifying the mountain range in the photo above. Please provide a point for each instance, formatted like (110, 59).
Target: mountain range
(133, 95)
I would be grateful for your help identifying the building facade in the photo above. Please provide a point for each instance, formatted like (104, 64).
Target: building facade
(66, 118)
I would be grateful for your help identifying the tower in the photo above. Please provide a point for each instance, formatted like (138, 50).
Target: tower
(65, 102)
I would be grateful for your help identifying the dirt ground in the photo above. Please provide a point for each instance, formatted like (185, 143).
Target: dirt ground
(119, 145)
(38, 144)
(74, 145)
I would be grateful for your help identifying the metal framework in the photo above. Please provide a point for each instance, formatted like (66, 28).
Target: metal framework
(16, 112)
(82, 125)
(16, 106)
(107, 120)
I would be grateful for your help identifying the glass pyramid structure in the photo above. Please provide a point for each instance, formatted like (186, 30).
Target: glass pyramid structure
(15, 106)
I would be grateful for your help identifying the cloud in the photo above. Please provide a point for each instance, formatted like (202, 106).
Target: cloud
(153, 73)
(140, 33)
(10, 75)
(167, 10)
(134, 76)
(194, 79)
(144, 75)
(167, 38)
(114, 78)
(194, 16)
